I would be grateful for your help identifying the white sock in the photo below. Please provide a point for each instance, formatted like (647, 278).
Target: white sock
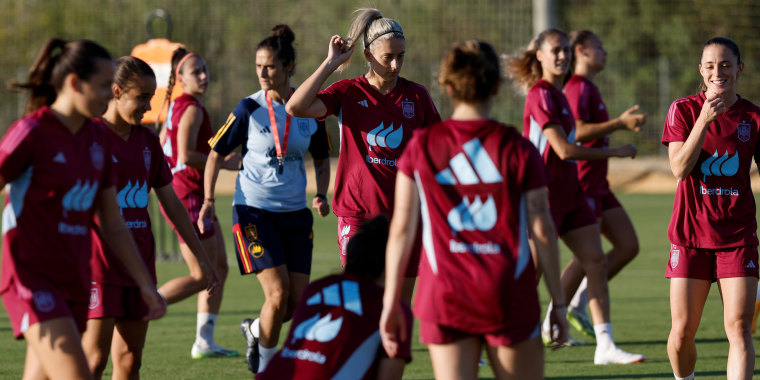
(547, 323)
(265, 355)
(690, 377)
(204, 328)
(603, 334)
(580, 299)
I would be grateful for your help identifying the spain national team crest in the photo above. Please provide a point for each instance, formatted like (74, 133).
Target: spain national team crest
(674, 253)
(303, 127)
(146, 158)
(96, 154)
(256, 250)
(407, 108)
(743, 131)
(94, 298)
(251, 233)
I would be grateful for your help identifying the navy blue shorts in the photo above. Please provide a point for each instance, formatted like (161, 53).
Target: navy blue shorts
(265, 239)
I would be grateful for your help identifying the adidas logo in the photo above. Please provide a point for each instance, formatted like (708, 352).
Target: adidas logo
(720, 166)
(471, 167)
(601, 106)
(363, 103)
(324, 329)
(564, 111)
(113, 158)
(751, 265)
(385, 137)
(59, 158)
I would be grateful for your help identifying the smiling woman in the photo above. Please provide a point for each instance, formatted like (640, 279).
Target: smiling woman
(712, 138)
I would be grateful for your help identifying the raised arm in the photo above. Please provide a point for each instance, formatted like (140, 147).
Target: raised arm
(629, 120)
(684, 155)
(119, 239)
(322, 174)
(544, 236)
(403, 229)
(304, 101)
(569, 151)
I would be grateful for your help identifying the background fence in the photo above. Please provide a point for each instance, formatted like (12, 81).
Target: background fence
(653, 45)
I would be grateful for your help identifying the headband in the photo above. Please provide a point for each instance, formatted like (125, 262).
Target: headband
(181, 61)
(366, 45)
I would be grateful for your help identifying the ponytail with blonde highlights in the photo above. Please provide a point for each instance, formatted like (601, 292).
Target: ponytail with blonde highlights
(370, 26)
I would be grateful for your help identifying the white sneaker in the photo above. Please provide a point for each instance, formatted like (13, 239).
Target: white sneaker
(203, 350)
(615, 355)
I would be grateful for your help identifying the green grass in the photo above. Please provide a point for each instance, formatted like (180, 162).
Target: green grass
(640, 315)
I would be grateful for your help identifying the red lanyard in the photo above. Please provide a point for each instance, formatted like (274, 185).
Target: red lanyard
(282, 149)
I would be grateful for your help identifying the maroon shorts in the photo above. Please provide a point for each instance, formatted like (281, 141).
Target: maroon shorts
(348, 227)
(25, 307)
(601, 203)
(712, 264)
(193, 205)
(113, 301)
(433, 333)
(571, 220)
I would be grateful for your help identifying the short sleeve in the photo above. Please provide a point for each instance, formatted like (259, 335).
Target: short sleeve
(579, 97)
(676, 126)
(331, 98)
(542, 108)
(235, 129)
(410, 153)
(319, 146)
(431, 113)
(159, 167)
(16, 149)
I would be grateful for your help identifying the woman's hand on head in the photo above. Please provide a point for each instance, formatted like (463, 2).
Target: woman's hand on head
(339, 51)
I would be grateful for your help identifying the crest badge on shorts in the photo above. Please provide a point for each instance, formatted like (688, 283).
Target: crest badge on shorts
(146, 158)
(256, 250)
(96, 154)
(407, 108)
(43, 300)
(94, 298)
(674, 253)
(251, 233)
(743, 131)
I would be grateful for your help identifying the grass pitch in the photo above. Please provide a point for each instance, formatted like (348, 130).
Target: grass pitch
(640, 315)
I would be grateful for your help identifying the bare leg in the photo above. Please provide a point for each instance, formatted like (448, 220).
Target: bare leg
(96, 343)
(586, 246)
(687, 300)
(738, 296)
(127, 348)
(457, 360)
(524, 360)
(57, 347)
(298, 282)
(276, 286)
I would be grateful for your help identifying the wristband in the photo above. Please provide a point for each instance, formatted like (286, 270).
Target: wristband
(209, 200)
(321, 196)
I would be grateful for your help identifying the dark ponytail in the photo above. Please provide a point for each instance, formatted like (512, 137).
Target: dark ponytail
(177, 56)
(281, 44)
(54, 62)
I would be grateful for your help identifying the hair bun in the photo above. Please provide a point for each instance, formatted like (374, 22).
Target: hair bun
(284, 32)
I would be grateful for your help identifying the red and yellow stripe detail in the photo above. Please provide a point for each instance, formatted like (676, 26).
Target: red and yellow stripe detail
(242, 250)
